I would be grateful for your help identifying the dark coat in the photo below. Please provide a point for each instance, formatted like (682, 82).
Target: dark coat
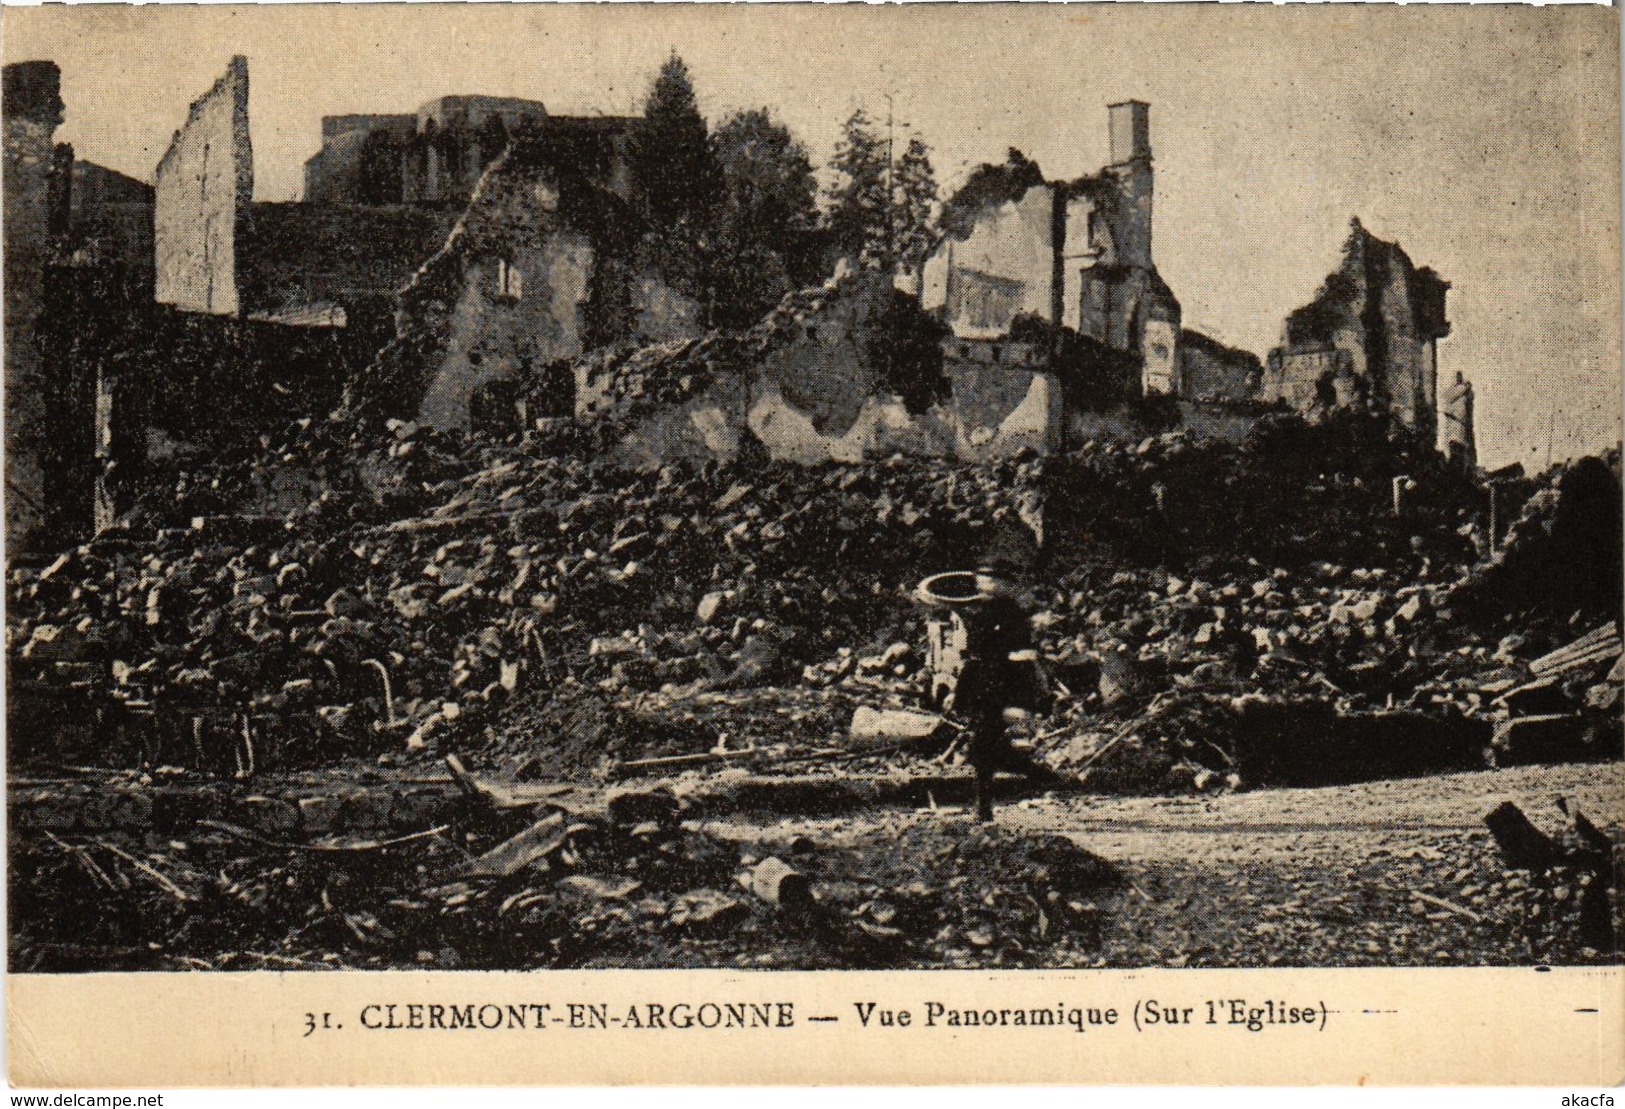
(995, 628)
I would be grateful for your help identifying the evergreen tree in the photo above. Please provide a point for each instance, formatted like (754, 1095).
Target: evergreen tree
(672, 157)
(858, 198)
(914, 198)
(765, 235)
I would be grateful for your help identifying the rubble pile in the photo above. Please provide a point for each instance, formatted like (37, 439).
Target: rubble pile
(1290, 494)
(438, 577)
(432, 592)
(1231, 670)
(1215, 616)
(637, 881)
(1306, 677)
(1562, 553)
(616, 386)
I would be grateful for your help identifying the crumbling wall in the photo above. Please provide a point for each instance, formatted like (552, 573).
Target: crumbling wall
(820, 367)
(301, 262)
(457, 139)
(998, 412)
(662, 314)
(1314, 380)
(496, 335)
(1004, 268)
(800, 380)
(1409, 318)
(1076, 254)
(1088, 252)
(203, 187)
(706, 426)
(32, 110)
(807, 389)
(1159, 347)
(1211, 371)
(1221, 421)
(543, 266)
(1368, 339)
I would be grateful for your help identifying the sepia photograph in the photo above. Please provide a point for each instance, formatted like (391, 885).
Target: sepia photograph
(812, 488)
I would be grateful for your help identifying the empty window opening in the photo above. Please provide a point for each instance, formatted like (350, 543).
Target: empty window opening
(510, 282)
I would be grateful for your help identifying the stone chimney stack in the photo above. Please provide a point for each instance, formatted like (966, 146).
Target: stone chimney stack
(1130, 131)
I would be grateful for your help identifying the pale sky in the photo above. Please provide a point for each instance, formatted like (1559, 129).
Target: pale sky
(1484, 139)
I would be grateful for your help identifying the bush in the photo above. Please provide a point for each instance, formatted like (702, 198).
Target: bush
(904, 342)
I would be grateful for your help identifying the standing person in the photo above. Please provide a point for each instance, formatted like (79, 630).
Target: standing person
(1000, 673)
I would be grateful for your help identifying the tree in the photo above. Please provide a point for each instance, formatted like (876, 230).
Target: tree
(672, 158)
(765, 236)
(767, 176)
(914, 197)
(904, 342)
(858, 198)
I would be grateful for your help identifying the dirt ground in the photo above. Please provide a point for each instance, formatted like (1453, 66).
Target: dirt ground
(1306, 877)
(1400, 872)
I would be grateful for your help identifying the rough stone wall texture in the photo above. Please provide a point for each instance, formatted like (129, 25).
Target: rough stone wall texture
(997, 412)
(1077, 254)
(823, 371)
(1385, 316)
(1159, 346)
(1209, 370)
(543, 266)
(800, 388)
(1210, 420)
(31, 109)
(1313, 380)
(1129, 214)
(663, 314)
(1003, 268)
(203, 187)
(297, 257)
(713, 426)
(706, 426)
(1201, 420)
(1088, 257)
(493, 336)
(806, 390)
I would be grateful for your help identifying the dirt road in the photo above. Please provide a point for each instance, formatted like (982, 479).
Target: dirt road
(1399, 872)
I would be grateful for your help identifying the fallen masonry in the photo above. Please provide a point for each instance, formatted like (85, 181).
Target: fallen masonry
(496, 702)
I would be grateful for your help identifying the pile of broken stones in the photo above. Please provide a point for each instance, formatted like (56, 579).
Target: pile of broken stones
(439, 592)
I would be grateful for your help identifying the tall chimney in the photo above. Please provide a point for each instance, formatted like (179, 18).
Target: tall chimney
(1130, 131)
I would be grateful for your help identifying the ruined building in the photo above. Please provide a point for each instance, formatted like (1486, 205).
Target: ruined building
(438, 154)
(1076, 254)
(220, 252)
(486, 237)
(33, 110)
(78, 251)
(1369, 339)
(448, 265)
(1210, 371)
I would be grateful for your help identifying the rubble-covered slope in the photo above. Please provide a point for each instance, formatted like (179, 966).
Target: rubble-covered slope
(506, 594)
